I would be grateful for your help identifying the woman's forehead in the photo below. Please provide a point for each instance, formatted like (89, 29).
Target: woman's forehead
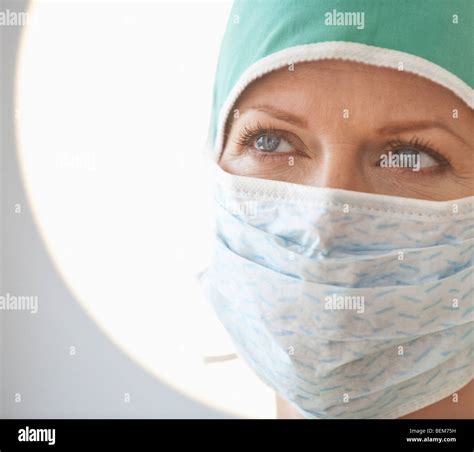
(347, 84)
(318, 75)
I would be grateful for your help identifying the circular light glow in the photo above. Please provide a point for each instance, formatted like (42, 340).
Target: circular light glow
(112, 107)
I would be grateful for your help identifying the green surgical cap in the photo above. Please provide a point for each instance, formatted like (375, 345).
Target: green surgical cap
(431, 38)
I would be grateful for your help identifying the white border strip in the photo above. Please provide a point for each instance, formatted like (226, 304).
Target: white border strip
(341, 50)
(261, 190)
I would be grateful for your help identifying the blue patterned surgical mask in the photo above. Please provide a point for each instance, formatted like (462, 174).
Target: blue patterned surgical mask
(347, 304)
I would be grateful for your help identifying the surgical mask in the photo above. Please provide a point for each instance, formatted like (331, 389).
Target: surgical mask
(347, 304)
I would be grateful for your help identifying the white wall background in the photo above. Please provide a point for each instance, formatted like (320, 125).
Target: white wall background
(110, 115)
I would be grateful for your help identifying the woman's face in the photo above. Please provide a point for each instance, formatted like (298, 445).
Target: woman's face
(347, 125)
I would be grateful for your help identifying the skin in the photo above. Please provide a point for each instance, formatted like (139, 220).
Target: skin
(385, 106)
(388, 110)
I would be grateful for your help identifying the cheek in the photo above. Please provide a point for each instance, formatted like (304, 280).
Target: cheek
(284, 168)
(443, 187)
(369, 177)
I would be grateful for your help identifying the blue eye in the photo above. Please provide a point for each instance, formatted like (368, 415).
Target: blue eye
(415, 155)
(415, 159)
(267, 142)
(270, 142)
(422, 159)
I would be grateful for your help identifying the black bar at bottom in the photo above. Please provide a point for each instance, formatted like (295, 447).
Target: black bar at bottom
(312, 435)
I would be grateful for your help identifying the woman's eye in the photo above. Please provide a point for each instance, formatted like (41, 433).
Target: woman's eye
(413, 159)
(270, 142)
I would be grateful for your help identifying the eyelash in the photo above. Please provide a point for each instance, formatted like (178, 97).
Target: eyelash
(249, 133)
(420, 145)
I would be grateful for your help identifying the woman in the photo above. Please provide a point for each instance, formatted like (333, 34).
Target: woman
(343, 267)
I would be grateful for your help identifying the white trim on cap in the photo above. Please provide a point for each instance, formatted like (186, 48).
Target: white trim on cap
(341, 50)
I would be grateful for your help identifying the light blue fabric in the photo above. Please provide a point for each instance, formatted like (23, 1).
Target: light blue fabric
(284, 251)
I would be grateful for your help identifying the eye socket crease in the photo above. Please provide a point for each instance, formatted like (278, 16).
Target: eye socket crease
(389, 129)
(282, 115)
(412, 126)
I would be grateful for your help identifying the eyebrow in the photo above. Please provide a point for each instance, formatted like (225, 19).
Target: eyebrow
(411, 126)
(280, 114)
(393, 128)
